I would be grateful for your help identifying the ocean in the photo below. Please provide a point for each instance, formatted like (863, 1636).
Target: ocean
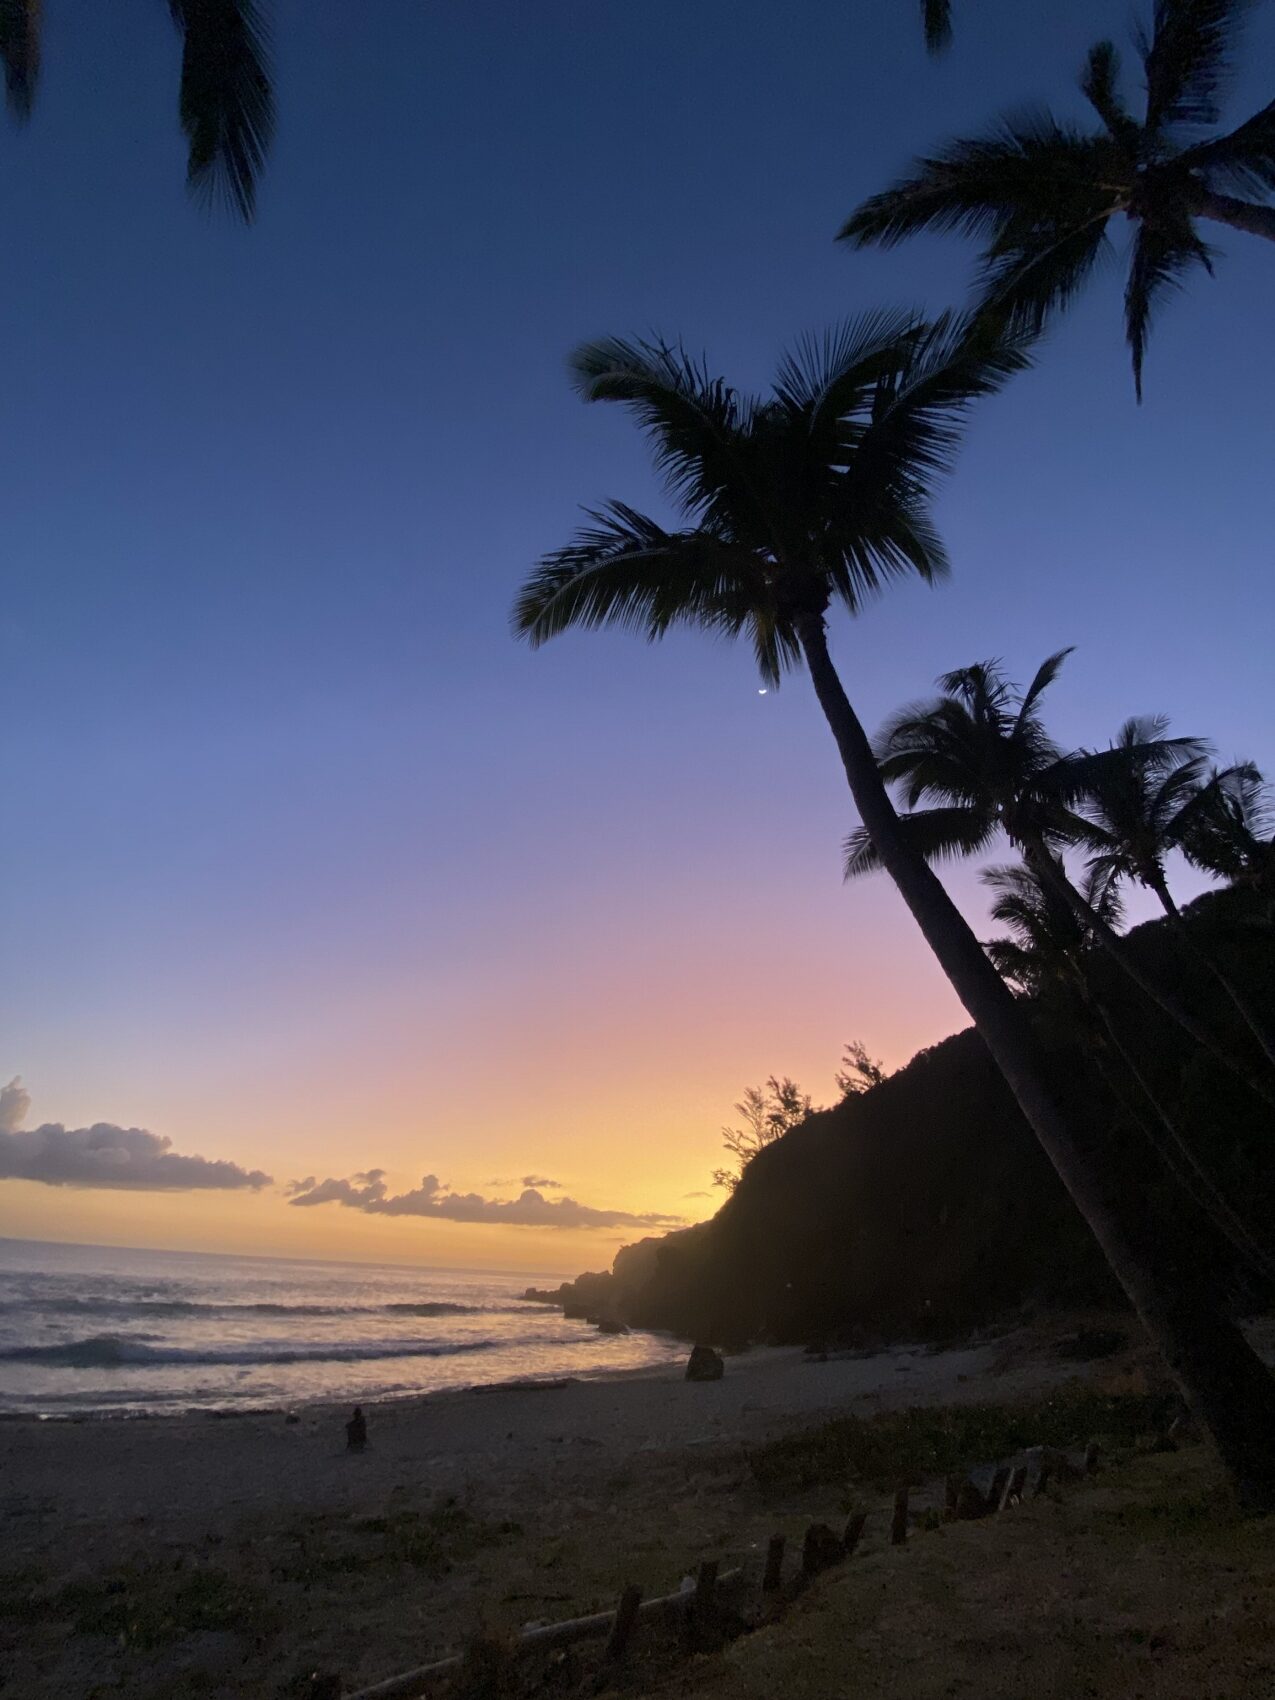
(106, 1330)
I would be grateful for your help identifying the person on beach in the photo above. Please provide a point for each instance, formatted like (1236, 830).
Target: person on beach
(356, 1431)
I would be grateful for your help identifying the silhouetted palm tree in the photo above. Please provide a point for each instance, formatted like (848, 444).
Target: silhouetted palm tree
(226, 103)
(1232, 832)
(981, 755)
(819, 493)
(1047, 954)
(1041, 193)
(1136, 813)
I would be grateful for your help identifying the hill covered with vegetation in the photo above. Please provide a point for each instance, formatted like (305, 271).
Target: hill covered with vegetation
(925, 1206)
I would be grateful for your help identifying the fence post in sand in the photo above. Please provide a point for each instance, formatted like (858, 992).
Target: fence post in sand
(1015, 1483)
(854, 1532)
(899, 1522)
(625, 1618)
(996, 1493)
(774, 1571)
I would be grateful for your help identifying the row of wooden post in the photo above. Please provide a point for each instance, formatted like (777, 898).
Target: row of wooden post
(821, 1548)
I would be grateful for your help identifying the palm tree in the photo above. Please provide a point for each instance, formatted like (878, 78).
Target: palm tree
(1136, 813)
(818, 493)
(1042, 194)
(1232, 832)
(226, 102)
(981, 755)
(1047, 955)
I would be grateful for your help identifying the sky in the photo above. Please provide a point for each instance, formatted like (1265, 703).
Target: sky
(305, 865)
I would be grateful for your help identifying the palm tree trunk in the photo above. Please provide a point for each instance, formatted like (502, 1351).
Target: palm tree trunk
(1182, 1163)
(1046, 866)
(1254, 1019)
(1255, 220)
(1225, 1384)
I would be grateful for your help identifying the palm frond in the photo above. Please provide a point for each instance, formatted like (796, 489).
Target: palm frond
(1030, 273)
(832, 379)
(1100, 85)
(1165, 247)
(696, 424)
(227, 103)
(1187, 60)
(626, 570)
(1044, 677)
(1244, 159)
(936, 20)
(939, 835)
(917, 423)
(1028, 170)
(20, 53)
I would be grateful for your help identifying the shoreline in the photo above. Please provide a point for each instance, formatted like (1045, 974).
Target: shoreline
(245, 1549)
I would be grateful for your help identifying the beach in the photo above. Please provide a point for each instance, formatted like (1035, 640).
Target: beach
(253, 1549)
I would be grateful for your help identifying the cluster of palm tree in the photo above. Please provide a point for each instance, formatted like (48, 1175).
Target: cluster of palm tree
(819, 493)
(981, 758)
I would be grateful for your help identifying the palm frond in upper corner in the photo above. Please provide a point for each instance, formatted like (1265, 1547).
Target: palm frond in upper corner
(936, 20)
(227, 102)
(20, 52)
(1186, 60)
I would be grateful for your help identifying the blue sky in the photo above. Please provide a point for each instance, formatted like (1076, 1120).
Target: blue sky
(304, 861)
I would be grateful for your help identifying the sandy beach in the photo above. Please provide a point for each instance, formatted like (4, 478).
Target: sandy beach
(261, 1550)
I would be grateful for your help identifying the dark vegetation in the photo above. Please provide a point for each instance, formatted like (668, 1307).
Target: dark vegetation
(924, 1207)
(926, 1441)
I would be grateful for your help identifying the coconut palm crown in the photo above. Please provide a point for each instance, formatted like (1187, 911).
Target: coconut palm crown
(1041, 193)
(1137, 812)
(819, 491)
(980, 756)
(1045, 944)
(226, 103)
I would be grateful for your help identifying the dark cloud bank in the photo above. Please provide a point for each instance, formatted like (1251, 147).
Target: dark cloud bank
(126, 1158)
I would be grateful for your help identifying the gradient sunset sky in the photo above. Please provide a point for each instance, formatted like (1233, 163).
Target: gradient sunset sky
(306, 864)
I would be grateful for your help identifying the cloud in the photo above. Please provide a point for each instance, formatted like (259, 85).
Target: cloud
(697, 1195)
(530, 1180)
(125, 1158)
(531, 1209)
(15, 1101)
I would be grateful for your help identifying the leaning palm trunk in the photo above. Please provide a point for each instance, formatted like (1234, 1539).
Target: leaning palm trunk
(1045, 865)
(1225, 1384)
(1254, 1019)
(1178, 1157)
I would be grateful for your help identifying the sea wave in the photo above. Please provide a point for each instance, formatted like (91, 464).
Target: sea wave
(71, 1306)
(107, 1351)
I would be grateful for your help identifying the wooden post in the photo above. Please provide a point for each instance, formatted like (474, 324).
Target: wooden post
(626, 1613)
(996, 1493)
(854, 1532)
(705, 1583)
(899, 1523)
(951, 1497)
(774, 1564)
(1015, 1482)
